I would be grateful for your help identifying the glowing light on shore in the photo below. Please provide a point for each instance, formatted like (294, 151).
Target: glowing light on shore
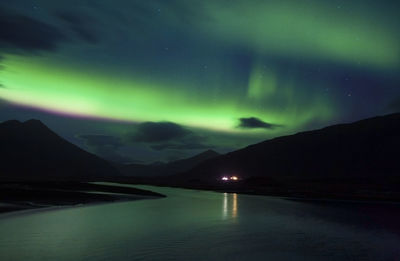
(230, 178)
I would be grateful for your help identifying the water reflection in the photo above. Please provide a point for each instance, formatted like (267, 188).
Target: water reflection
(200, 225)
(229, 206)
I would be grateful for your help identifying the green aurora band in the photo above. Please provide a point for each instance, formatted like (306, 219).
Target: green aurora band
(315, 31)
(39, 83)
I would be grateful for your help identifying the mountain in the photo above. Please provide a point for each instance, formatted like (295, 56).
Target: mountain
(164, 169)
(363, 151)
(31, 151)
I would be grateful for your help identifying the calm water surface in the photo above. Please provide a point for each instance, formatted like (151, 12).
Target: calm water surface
(200, 225)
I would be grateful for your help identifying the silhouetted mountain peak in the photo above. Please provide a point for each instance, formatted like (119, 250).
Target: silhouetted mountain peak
(10, 123)
(30, 150)
(28, 125)
(173, 167)
(36, 124)
(209, 153)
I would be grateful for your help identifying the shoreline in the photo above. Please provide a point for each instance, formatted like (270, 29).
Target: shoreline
(27, 197)
(33, 210)
(116, 192)
(311, 196)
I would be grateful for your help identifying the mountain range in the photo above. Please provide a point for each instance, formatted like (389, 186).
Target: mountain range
(31, 151)
(365, 151)
(165, 169)
(358, 156)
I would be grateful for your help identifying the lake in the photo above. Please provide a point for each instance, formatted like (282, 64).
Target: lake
(203, 225)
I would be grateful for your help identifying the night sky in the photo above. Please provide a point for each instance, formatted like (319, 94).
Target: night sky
(145, 81)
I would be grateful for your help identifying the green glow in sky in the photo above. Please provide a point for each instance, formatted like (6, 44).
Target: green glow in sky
(308, 29)
(40, 83)
(262, 82)
(231, 72)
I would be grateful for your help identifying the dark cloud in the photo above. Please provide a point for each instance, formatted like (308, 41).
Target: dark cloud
(20, 32)
(79, 24)
(167, 136)
(155, 132)
(105, 147)
(256, 123)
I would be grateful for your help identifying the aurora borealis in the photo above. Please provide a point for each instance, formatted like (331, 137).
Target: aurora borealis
(204, 74)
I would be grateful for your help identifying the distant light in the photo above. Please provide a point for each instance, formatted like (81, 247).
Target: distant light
(230, 178)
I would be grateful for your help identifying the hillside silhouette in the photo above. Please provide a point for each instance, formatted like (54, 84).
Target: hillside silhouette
(363, 152)
(164, 169)
(31, 151)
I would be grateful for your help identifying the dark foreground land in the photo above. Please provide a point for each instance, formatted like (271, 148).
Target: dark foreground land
(29, 195)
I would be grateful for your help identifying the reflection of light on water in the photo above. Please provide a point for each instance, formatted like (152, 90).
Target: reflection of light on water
(234, 206)
(229, 206)
(225, 206)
